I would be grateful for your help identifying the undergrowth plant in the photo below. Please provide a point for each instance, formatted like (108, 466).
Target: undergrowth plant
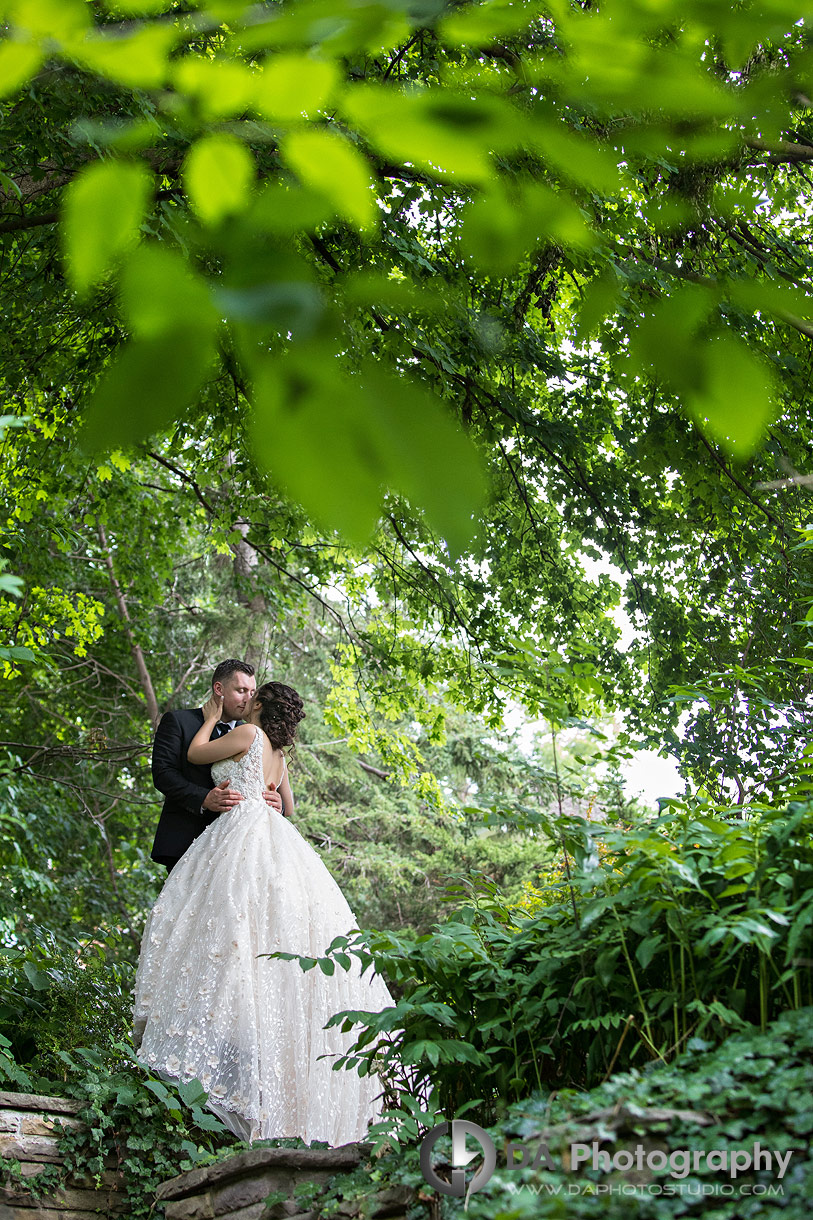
(145, 1128)
(697, 922)
(58, 993)
(753, 1089)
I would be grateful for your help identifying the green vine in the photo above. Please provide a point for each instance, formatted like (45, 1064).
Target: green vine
(142, 1128)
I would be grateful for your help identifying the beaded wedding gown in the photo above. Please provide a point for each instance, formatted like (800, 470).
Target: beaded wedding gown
(250, 1028)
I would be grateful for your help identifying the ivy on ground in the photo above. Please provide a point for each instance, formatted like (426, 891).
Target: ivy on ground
(755, 1087)
(144, 1128)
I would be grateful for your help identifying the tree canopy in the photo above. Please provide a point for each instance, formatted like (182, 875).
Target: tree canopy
(434, 303)
(449, 360)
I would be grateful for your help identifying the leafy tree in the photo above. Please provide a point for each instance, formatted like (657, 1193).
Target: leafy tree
(572, 232)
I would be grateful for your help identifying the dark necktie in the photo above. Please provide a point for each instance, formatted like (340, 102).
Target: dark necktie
(221, 728)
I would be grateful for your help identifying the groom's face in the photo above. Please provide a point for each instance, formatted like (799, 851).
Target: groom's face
(237, 691)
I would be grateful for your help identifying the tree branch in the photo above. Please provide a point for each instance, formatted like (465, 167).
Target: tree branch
(29, 222)
(135, 647)
(781, 151)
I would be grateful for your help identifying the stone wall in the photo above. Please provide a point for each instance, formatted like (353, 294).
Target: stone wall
(236, 1189)
(28, 1135)
(231, 1189)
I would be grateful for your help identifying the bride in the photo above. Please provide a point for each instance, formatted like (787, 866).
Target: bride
(207, 1006)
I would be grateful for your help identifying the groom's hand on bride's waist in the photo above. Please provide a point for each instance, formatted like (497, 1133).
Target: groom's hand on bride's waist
(222, 798)
(273, 798)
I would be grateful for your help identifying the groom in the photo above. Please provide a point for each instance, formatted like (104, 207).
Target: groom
(192, 801)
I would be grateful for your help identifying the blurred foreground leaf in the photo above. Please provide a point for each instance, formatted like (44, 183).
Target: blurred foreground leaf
(103, 208)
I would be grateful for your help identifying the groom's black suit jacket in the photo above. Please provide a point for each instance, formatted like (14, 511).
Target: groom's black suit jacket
(184, 784)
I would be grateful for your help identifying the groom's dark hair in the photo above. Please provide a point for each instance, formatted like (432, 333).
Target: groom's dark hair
(226, 668)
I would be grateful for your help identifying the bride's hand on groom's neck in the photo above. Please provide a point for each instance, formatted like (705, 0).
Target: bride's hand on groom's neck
(213, 708)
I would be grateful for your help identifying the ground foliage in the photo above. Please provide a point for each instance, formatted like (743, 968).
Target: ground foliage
(752, 1089)
(132, 1123)
(689, 925)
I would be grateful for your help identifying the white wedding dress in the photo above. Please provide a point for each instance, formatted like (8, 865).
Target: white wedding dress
(250, 1028)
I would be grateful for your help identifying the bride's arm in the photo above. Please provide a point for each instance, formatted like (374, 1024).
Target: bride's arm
(202, 750)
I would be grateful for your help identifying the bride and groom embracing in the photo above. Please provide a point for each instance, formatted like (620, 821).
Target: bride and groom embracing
(242, 882)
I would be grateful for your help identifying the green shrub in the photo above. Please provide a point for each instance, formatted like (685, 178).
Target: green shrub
(754, 1087)
(692, 924)
(57, 995)
(149, 1129)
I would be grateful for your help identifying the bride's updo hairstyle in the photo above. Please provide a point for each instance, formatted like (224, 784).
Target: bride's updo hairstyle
(281, 710)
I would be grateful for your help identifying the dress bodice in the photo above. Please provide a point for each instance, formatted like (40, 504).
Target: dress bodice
(244, 774)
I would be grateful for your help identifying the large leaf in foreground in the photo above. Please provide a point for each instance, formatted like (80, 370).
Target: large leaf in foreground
(337, 442)
(151, 382)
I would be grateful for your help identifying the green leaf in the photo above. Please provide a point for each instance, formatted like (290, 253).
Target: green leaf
(376, 291)
(377, 431)
(135, 8)
(103, 210)
(207, 1122)
(498, 231)
(416, 1052)
(149, 384)
(18, 63)
(297, 400)
(293, 307)
(192, 1092)
(331, 165)
(600, 299)
(731, 890)
(446, 134)
(664, 341)
(162, 1093)
(157, 287)
(38, 980)
(575, 158)
(10, 187)
(220, 87)
(426, 455)
(138, 61)
(286, 209)
(737, 398)
(291, 86)
(218, 174)
(18, 652)
(605, 966)
(784, 300)
(482, 23)
(647, 949)
(51, 19)
(90, 1056)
